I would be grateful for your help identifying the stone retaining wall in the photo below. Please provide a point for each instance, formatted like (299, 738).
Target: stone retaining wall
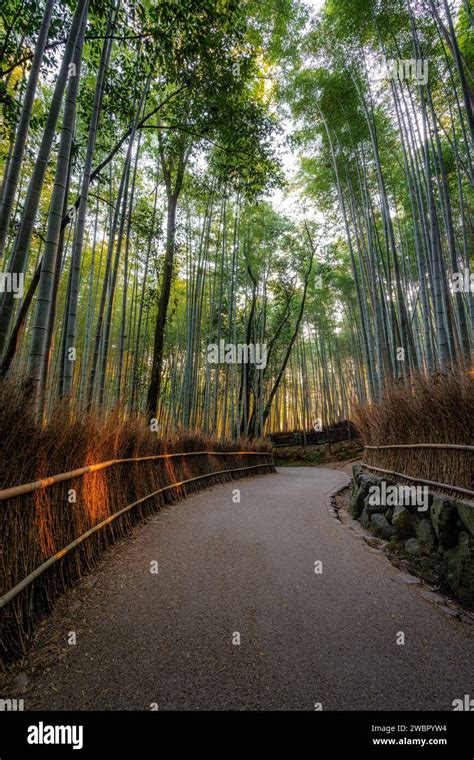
(438, 537)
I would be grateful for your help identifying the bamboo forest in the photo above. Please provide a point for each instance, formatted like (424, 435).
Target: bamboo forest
(185, 175)
(237, 368)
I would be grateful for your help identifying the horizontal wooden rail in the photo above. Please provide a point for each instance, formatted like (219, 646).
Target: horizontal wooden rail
(457, 446)
(62, 552)
(433, 483)
(35, 485)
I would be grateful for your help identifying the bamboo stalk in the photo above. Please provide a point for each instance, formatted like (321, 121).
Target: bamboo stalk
(420, 480)
(458, 446)
(35, 485)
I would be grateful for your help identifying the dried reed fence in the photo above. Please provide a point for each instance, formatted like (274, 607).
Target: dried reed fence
(425, 431)
(34, 526)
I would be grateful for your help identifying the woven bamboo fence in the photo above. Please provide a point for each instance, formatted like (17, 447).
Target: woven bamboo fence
(447, 468)
(41, 522)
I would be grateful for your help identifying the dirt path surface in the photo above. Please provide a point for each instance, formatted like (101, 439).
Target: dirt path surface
(228, 570)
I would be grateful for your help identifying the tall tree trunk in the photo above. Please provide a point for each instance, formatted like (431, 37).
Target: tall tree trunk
(78, 242)
(14, 165)
(42, 325)
(18, 258)
(158, 344)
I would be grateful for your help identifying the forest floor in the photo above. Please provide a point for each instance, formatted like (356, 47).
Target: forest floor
(342, 466)
(339, 455)
(239, 615)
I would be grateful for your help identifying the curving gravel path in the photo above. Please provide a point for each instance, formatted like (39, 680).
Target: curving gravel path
(227, 569)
